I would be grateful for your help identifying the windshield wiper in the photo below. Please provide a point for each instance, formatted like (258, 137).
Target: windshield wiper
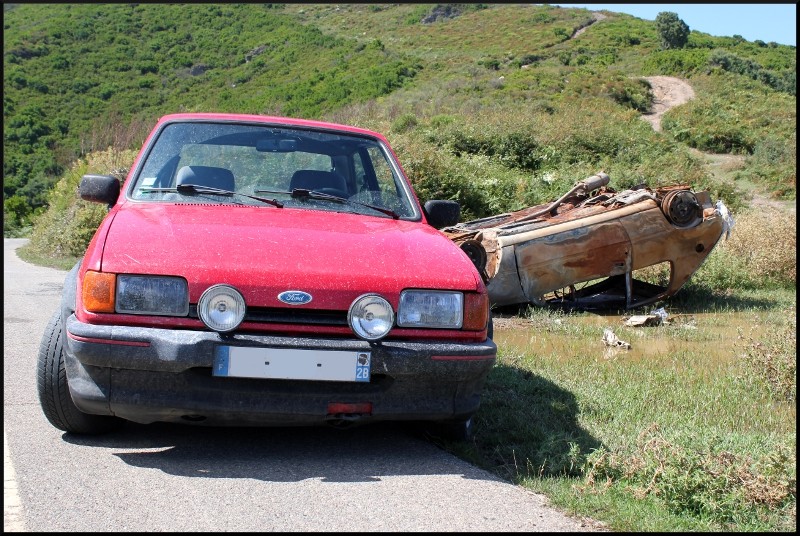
(302, 193)
(198, 189)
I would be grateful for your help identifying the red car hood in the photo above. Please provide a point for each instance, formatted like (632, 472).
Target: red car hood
(263, 251)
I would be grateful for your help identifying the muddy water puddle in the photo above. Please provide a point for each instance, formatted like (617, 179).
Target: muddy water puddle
(717, 338)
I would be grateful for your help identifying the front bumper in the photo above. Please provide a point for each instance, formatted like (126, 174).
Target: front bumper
(149, 374)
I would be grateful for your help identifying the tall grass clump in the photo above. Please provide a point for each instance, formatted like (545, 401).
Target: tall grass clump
(759, 254)
(732, 491)
(771, 357)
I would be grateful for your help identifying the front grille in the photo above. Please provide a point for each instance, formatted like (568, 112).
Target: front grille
(274, 315)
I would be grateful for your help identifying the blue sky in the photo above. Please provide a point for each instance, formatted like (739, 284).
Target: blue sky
(767, 22)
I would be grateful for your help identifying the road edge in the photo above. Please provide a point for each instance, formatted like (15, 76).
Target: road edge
(13, 520)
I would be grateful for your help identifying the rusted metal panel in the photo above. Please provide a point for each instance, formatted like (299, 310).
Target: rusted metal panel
(658, 241)
(595, 236)
(504, 286)
(545, 263)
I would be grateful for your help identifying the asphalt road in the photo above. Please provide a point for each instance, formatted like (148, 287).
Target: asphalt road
(179, 478)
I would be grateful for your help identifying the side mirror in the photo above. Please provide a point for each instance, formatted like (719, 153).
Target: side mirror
(441, 213)
(99, 189)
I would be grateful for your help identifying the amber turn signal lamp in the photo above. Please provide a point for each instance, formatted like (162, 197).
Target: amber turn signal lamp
(98, 292)
(476, 311)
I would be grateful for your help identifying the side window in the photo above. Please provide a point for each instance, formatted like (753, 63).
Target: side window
(390, 195)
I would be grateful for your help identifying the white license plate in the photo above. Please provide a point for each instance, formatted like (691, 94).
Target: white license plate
(292, 364)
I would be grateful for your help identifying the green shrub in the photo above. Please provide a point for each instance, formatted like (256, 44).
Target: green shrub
(562, 34)
(441, 121)
(682, 62)
(633, 94)
(68, 224)
(492, 64)
(437, 175)
(404, 123)
(513, 149)
(728, 61)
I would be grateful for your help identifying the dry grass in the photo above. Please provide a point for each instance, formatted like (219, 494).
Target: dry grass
(765, 240)
(772, 356)
(760, 253)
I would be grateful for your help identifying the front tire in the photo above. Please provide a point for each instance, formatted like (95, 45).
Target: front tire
(54, 397)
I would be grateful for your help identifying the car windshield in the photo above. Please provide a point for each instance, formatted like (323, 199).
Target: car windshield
(273, 166)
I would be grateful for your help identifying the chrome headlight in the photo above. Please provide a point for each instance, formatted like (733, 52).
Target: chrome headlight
(221, 308)
(152, 295)
(430, 309)
(371, 317)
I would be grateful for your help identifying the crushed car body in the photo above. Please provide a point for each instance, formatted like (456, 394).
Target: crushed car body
(587, 249)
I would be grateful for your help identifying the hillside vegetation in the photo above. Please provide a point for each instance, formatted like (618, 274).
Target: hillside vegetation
(497, 106)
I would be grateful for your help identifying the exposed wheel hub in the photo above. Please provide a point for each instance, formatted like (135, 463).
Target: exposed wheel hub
(681, 208)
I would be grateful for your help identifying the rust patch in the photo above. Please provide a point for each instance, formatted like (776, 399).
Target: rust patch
(596, 236)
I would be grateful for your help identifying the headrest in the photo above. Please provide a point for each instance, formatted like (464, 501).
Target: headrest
(311, 179)
(206, 176)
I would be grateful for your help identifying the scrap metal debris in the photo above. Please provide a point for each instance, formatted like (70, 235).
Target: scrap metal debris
(611, 340)
(655, 318)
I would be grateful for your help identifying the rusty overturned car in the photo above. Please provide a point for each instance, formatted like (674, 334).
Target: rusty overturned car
(594, 247)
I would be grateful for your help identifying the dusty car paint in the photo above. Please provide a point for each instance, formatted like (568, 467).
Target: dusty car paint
(205, 238)
(539, 254)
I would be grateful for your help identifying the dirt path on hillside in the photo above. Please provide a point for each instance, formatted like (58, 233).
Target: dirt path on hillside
(668, 92)
(596, 16)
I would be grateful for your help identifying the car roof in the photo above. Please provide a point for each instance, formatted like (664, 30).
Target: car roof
(268, 120)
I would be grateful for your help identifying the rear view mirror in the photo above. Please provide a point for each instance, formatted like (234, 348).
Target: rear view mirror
(276, 145)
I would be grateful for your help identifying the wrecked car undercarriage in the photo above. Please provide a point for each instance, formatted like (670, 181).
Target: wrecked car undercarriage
(595, 248)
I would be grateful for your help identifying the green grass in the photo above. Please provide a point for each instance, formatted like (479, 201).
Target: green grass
(696, 437)
(61, 263)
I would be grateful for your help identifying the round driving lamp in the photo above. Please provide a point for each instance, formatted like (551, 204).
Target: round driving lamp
(221, 308)
(371, 317)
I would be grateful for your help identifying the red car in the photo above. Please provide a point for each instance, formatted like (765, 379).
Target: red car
(260, 270)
